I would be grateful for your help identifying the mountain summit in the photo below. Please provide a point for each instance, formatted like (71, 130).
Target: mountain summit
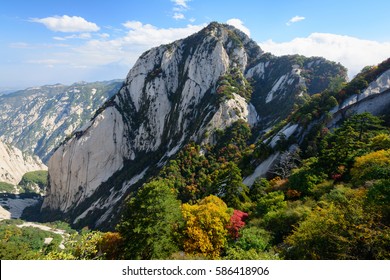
(174, 94)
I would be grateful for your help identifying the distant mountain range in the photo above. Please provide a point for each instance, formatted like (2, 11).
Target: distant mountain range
(36, 120)
(4, 91)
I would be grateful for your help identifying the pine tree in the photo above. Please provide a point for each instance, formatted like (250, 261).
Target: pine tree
(150, 222)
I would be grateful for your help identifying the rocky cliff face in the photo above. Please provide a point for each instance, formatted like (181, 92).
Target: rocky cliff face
(13, 164)
(174, 94)
(37, 120)
(374, 99)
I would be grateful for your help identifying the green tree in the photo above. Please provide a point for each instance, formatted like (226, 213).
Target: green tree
(259, 188)
(340, 227)
(24, 243)
(150, 222)
(228, 185)
(366, 125)
(237, 134)
(252, 245)
(270, 202)
(306, 177)
(378, 200)
(350, 140)
(83, 246)
(253, 237)
(319, 236)
(280, 222)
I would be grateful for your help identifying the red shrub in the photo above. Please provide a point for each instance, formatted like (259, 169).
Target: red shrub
(236, 223)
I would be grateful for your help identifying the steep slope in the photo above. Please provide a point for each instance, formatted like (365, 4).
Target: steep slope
(13, 164)
(368, 92)
(374, 99)
(175, 93)
(37, 120)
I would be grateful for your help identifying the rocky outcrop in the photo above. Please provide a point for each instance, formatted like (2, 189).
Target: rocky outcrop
(281, 82)
(37, 120)
(14, 164)
(174, 94)
(375, 99)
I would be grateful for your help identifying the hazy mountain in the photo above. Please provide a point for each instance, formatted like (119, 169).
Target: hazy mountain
(36, 120)
(14, 164)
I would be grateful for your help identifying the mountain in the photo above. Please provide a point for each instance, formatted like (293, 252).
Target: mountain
(37, 120)
(186, 91)
(281, 82)
(4, 91)
(368, 92)
(14, 164)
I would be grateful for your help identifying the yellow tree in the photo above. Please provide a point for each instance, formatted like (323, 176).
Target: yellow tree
(205, 232)
(371, 166)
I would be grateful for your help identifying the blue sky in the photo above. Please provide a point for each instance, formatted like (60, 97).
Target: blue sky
(46, 42)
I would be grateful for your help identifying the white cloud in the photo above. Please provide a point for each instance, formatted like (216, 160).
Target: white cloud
(133, 24)
(49, 63)
(181, 3)
(180, 6)
(104, 35)
(294, 20)
(353, 53)
(98, 58)
(83, 36)
(178, 16)
(239, 24)
(19, 45)
(67, 24)
(150, 36)
(22, 45)
(45, 61)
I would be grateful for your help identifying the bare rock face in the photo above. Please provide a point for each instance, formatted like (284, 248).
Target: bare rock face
(87, 160)
(174, 94)
(14, 164)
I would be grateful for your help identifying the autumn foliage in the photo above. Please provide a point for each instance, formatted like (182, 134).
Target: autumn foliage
(375, 165)
(237, 221)
(205, 227)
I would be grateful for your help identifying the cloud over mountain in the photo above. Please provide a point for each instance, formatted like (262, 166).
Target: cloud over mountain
(239, 24)
(352, 52)
(67, 24)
